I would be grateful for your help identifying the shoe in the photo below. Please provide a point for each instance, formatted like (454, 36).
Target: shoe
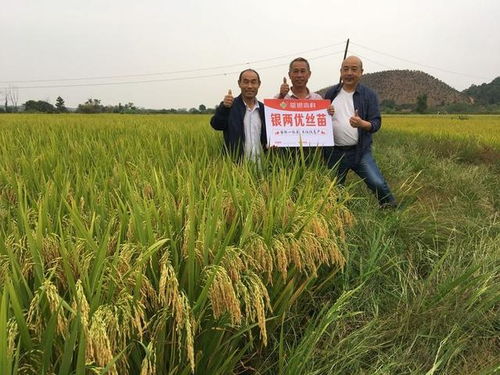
(389, 205)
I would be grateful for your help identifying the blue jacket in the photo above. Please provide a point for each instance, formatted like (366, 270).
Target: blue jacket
(230, 121)
(366, 102)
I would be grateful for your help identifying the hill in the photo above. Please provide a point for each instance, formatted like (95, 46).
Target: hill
(404, 86)
(487, 93)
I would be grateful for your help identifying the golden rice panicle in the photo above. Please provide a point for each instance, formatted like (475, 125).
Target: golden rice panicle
(81, 305)
(129, 315)
(149, 295)
(9, 194)
(81, 258)
(259, 302)
(295, 253)
(189, 328)
(168, 291)
(20, 249)
(347, 216)
(288, 212)
(148, 366)
(246, 299)
(131, 230)
(311, 250)
(127, 253)
(55, 305)
(51, 256)
(258, 257)
(148, 191)
(280, 257)
(222, 295)
(334, 253)
(229, 208)
(342, 219)
(4, 268)
(233, 263)
(319, 227)
(185, 327)
(188, 235)
(34, 318)
(102, 351)
(12, 333)
(260, 209)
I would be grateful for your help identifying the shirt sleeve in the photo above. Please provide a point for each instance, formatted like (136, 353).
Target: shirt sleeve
(219, 120)
(373, 112)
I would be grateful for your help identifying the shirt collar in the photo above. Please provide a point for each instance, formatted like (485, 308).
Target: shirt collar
(292, 95)
(255, 107)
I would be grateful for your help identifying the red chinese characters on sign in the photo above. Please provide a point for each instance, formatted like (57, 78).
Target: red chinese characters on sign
(298, 119)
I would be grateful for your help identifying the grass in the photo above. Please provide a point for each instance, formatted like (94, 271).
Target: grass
(129, 244)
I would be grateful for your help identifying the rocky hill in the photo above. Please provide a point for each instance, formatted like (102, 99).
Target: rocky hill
(487, 93)
(404, 86)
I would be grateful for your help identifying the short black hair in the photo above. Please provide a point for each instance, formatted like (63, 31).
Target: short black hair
(299, 59)
(248, 70)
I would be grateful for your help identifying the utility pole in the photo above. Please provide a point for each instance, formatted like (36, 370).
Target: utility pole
(345, 55)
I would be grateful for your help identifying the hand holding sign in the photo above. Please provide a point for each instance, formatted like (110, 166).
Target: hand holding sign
(228, 99)
(284, 88)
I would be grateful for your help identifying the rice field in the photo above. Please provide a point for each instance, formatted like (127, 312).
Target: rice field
(129, 244)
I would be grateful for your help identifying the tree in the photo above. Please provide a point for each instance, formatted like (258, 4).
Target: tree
(38, 106)
(202, 108)
(91, 106)
(387, 105)
(129, 108)
(12, 95)
(487, 93)
(61, 108)
(421, 103)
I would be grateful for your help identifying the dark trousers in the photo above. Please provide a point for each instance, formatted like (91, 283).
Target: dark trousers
(366, 168)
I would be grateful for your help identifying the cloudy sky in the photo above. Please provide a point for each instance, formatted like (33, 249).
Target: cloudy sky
(166, 54)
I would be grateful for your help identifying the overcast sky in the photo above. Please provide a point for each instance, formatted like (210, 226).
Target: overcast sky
(191, 51)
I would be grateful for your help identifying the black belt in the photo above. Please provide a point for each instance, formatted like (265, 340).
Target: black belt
(345, 148)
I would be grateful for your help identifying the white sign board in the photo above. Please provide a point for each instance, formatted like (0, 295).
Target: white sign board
(296, 122)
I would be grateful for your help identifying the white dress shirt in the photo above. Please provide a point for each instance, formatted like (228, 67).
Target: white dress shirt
(252, 126)
(343, 133)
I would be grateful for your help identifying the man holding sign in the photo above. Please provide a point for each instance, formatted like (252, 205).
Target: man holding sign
(242, 118)
(295, 120)
(356, 117)
(299, 73)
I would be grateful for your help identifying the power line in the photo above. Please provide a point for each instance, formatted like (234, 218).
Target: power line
(373, 61)
(417, 63)
(119, 83)
(175, 72)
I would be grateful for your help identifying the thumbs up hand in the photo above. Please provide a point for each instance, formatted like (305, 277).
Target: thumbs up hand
(284, 88)
(358, 122)
(355, 120)
(228, 99)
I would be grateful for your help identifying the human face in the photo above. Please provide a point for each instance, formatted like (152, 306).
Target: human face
(249, 85)
(351, 72)
(299, 74)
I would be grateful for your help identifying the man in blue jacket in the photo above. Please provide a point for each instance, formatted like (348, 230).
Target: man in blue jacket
(242, 119)
(356, 118)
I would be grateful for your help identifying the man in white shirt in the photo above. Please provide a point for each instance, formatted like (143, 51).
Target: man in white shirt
(242, 119)
(356, 118)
